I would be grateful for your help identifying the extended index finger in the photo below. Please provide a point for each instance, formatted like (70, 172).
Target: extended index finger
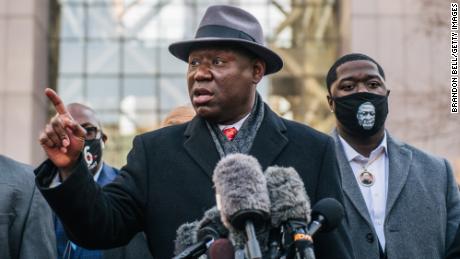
(57, 101)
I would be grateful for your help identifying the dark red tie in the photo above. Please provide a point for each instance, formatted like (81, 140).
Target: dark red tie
(230, 133)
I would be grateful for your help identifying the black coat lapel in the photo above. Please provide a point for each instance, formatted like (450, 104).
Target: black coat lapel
(270, 139)
(269, 142)
(200, 146)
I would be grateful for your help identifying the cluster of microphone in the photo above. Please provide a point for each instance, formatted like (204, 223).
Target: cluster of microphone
(258, 215)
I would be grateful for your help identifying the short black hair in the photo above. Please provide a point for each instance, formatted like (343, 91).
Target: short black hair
(332, 73)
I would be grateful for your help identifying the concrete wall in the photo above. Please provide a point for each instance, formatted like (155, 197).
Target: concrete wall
(411, 40)
(23, 76)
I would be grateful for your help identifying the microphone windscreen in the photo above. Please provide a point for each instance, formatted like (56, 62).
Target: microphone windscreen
(211, 225)
(185, 236)
(241, 185)
(221, 249)
(237, 238)
(331, 210)
(289, 200)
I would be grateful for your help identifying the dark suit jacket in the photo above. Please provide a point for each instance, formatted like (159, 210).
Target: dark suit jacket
(107, 175)
(454, 250)
(422, 210)
(26, 225)
(137, 247)
(167, 181)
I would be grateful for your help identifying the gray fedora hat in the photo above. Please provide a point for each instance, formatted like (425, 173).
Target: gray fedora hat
(228, 24)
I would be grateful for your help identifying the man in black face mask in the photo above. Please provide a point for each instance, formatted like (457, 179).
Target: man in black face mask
(103, 174)
(400, 202)
(94, 140)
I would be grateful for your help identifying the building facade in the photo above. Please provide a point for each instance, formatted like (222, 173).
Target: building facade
(112, 55)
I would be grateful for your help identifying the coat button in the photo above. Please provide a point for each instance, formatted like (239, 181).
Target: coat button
(370, 237)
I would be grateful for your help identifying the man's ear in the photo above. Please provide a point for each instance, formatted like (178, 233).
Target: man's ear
(104, 137)
(330, 102)
(258, 70)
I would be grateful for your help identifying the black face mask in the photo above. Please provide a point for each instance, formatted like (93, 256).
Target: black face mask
(362, 114)
(92, 152)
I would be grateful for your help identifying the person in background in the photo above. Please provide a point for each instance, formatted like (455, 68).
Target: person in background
(103, 174)
(178, 115)
(26, 225)
(400, 202)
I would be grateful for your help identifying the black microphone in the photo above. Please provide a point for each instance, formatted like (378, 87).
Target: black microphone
(290, 213)
(211, 226)
(208, 229)
(326, 216)
(185, 236)
(241, 193)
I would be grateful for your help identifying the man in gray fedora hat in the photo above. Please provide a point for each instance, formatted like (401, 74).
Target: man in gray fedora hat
(168, 177)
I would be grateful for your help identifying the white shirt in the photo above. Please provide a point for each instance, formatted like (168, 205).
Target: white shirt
(237, 125)
(375, 196)
(57, 180)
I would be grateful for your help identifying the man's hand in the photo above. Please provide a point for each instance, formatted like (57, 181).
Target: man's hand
(63, 138)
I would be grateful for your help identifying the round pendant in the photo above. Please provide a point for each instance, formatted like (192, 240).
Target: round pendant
(366, 178)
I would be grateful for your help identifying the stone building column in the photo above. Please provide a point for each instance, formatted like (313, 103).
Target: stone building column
(23, 77)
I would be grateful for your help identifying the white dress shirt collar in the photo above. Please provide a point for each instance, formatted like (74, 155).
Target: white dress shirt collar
(236, 125)
(352, 154)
